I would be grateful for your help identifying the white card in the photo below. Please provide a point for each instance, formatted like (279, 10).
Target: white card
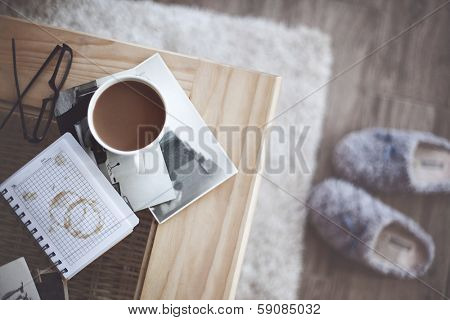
(145, 185)
(16, 282)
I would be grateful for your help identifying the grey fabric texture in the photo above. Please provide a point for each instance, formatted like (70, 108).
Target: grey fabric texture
(381, 159)
(350, 220)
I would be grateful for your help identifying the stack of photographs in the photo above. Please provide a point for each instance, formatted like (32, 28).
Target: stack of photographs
(188, 163)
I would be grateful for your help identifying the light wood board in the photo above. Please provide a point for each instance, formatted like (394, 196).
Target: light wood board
(198, 253)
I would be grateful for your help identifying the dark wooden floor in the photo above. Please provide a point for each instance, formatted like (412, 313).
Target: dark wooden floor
(405, 85)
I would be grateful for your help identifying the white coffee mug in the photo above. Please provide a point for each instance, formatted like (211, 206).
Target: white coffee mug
(138, 154)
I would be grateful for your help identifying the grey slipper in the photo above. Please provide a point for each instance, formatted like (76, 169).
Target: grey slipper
(383, 238)
(394, 160)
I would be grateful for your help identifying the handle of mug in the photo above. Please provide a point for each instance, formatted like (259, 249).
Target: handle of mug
(146, 160)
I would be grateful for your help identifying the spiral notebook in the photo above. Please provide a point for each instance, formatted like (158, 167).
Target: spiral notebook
(68, 206)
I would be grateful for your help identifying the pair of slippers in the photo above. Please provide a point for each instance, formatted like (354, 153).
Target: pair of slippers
(362, 227)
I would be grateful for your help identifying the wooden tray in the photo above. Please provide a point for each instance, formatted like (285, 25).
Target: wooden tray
(198, 253)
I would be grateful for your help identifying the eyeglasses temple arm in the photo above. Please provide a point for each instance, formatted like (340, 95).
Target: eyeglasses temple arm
(19, 100)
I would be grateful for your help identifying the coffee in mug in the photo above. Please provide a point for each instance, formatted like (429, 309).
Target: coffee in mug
(126, 115)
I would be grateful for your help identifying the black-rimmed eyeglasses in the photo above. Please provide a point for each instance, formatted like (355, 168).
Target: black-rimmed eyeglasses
(60, 72)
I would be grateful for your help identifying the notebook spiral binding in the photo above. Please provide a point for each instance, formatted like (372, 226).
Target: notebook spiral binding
(33, 231)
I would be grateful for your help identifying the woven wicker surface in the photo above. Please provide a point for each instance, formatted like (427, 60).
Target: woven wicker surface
(115, 275)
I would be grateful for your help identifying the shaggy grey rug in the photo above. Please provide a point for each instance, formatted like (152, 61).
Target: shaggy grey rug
(273, 262)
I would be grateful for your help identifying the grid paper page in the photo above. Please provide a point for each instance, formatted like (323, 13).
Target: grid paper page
(68, 210)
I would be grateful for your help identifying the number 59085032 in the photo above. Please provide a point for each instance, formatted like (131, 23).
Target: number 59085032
(292, 308)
